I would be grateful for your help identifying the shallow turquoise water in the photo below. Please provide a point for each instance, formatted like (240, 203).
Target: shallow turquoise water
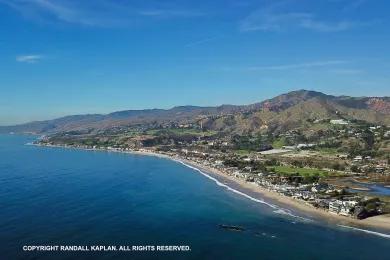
(53, 196)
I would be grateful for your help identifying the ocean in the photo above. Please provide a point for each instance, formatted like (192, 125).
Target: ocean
(67, 197)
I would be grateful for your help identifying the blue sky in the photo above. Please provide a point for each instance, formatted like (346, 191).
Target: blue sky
(73, 57)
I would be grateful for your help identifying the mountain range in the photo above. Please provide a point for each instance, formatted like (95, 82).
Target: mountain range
(296, 109)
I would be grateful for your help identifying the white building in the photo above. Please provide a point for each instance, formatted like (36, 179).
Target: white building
(338, 122)
(342, 207)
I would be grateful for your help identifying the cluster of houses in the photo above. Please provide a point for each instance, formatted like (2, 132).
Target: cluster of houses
(342, 207)
(320, 195)
(367, 164)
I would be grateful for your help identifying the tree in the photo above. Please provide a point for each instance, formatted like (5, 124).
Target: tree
(368, 138)
(355, 168)
(338, 167)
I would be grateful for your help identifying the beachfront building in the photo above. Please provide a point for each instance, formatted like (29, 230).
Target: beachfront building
(342, 207)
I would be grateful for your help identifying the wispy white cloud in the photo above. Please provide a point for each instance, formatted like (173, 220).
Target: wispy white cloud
(33, 58)
(202, 41)
(354, 4)
(100, 13)
(322, 26)
(306, 65)
(278, 17)
(62, 11)
(170, 13)
(280, 22)
(343, 71)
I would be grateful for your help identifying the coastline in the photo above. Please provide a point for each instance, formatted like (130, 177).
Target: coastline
(381, 222)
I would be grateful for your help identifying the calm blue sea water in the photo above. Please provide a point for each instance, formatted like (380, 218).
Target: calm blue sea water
(52, 196)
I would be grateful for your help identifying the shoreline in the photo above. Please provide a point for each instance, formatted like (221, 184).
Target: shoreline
(381, 222)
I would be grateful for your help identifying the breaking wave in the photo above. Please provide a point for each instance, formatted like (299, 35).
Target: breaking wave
(366, 231)
(277, 209)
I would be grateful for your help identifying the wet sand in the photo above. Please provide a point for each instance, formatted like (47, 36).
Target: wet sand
(381, 222)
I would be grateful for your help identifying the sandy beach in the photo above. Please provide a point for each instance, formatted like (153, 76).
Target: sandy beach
(381, 222)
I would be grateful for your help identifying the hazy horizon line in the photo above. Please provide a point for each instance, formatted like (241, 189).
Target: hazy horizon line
(171, 107)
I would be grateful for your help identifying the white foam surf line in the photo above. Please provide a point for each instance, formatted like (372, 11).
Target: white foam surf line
(366, 231)
(278, 209)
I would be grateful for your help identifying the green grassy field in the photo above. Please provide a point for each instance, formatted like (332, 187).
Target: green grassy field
(278, 143)
(242, 152)
(327, 151)
(305, 172)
